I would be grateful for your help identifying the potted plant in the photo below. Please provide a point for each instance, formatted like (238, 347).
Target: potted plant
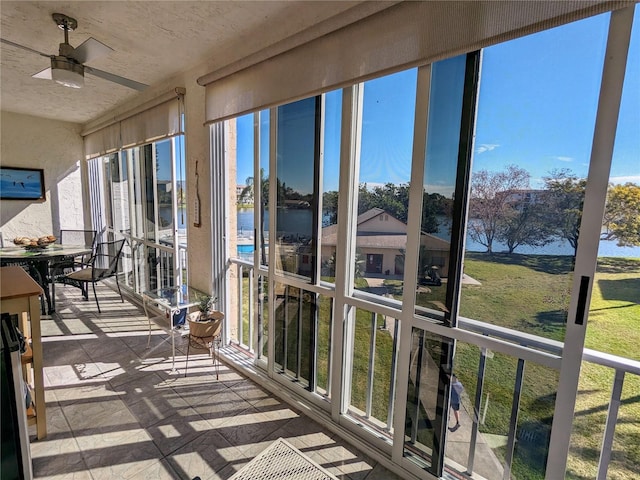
(205, 323)
(205, 328)
(206, 306)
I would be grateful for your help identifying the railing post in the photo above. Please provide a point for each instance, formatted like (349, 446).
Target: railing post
(416, 394)
(372, 360)
(240, 304)
(610, 428)
(299, 335)
(250, 310)
(392, 382)
(285, 328)
(476, 410)
(513, 421)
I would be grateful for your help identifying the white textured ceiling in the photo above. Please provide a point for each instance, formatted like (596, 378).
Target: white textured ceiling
(152, 41)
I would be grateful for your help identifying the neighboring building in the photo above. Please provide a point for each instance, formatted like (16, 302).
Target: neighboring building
(524, 197)
(248, 199)
(381, 240)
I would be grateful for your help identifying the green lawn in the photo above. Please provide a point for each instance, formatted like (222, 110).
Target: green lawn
(529, 294)
(614, 327)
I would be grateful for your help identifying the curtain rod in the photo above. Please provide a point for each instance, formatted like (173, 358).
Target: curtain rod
(94, 126)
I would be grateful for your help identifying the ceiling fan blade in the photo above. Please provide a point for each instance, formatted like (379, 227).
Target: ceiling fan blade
(115, 78)
(44, 74)
(13, 44)
(89, 50)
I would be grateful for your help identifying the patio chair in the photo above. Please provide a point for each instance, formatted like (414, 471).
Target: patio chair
(103, 264)
(72, 237)
(205, 335)
(59, 268)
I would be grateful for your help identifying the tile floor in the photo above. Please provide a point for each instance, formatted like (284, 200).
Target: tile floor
(115, 411)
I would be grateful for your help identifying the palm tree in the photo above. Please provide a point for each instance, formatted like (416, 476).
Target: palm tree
(249, 192)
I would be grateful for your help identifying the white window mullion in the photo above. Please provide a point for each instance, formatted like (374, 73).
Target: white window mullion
(414, 225)
(174, 195)
(273, 135)
(156, 215)
(352, 102)
(586, 256)
(254, 306)
(320, 167)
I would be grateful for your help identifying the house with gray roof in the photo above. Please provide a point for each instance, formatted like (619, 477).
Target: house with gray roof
(381, 240)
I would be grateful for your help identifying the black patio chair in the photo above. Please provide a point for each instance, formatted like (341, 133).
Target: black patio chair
(59, 268)
(72, 237)
(103, 264)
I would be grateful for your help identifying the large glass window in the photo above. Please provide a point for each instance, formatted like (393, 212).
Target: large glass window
(491, 256)
(298, 153)
(445, 152)
(331, 121)
(615, 302)
(534, 134)
(245, 185)
(388, 114)
(145, 202)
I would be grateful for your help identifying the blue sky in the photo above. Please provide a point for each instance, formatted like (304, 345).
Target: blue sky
(536, 109)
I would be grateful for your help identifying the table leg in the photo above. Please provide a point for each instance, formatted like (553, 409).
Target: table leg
(174, 370)
(39, 271)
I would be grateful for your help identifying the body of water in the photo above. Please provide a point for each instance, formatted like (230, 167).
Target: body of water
(166, 214)
(297, 222)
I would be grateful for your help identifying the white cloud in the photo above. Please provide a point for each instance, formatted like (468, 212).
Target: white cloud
(625, 179)
(486, 147)
(564, 159)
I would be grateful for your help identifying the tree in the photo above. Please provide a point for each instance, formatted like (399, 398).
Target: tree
(565, 196)
(249, 192)
(329, 208)
(393, 199)
(525, 224)
(622, 215)
(491, 203)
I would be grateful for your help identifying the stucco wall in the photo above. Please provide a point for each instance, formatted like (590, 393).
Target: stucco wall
(56, 147)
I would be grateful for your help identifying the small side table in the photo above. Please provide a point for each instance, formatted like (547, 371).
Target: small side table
(169, 300)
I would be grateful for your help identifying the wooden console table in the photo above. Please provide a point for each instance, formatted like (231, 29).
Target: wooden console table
(20, 294)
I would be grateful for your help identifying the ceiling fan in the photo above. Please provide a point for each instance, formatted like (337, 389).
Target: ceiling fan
(68, 67)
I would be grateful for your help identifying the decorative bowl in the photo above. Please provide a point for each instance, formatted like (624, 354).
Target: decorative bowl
(34, 243)
(36, 248)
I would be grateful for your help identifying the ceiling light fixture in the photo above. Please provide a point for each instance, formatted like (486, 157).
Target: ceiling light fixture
(67, 72)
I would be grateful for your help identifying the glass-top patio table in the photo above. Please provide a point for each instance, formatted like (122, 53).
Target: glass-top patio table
(38, 262)
(171, 300)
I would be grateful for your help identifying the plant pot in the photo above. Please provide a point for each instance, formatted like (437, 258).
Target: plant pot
(205, 326)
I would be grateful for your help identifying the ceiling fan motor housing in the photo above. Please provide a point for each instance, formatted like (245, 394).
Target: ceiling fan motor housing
(66, 50)
(67, 72)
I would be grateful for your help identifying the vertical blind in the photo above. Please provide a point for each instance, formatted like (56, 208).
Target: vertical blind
(154, 120)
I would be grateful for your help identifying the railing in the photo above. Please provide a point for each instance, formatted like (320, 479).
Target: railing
(621, 367)
(241, 327)
(149, 265)
(516, 435)
(242, 335)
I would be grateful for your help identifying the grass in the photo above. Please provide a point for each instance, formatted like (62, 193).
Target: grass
(613, 327)
(529, 294)
(517, 293)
